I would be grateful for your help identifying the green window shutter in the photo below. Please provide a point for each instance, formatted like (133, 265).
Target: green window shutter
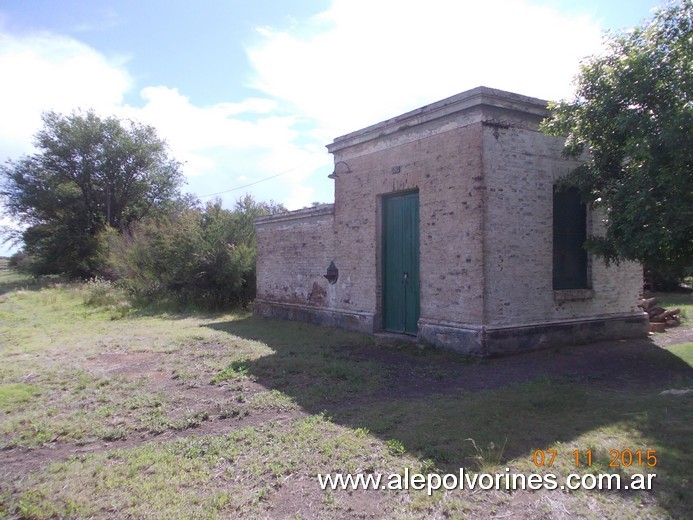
(569, 236)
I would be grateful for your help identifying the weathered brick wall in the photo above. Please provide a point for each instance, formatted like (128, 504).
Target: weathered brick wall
(485, 177)
(442, 160)
(293, 253)
(521, 166)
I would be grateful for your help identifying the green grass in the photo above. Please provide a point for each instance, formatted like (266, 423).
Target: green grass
(683, 351)
(490, 430)
(14, 395)
(202, 477)
(58, 339)
(228, 415)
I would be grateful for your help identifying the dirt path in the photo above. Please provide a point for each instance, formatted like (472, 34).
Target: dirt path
(610, 364)
(18, 461)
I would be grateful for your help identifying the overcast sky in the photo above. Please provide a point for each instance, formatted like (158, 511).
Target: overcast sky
(243, 90)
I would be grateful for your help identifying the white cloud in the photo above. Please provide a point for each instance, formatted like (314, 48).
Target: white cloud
(363, 61)
(357, 63)
(194, 133)
(216, 143)
(50, 72)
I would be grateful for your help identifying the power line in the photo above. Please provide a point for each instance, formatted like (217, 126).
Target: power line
(251, 184)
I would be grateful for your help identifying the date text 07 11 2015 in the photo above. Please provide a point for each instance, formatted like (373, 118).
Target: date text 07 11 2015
(618, 458)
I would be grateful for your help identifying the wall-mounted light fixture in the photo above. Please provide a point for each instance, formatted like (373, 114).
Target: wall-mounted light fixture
(339, 168)
(332, 273)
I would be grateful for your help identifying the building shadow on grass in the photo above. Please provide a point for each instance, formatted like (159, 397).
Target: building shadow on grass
(433, 403)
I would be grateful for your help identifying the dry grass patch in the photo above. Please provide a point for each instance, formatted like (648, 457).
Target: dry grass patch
(227, 415)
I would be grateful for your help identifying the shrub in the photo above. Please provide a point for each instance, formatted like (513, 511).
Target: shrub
(197, 257)
(100, 292)
(20, 261)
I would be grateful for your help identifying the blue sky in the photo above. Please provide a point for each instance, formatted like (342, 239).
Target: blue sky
(245, 90)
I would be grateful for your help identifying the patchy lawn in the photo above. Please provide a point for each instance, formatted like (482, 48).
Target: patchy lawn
(107, 411)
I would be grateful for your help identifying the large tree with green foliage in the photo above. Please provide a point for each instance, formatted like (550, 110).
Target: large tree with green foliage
(631, 120)
(89, 174)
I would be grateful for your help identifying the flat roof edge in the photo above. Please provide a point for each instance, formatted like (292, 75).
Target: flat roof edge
(466, 100)
(317, 211)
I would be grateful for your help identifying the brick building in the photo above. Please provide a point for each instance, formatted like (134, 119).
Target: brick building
(446, 225)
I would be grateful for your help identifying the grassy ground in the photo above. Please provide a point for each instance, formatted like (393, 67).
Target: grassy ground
(109, 411)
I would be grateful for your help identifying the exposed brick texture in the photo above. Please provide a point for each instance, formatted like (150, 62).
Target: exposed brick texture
(293, 253)
(485, 176)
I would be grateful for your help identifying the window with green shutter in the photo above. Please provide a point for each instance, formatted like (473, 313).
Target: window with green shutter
(569, 235)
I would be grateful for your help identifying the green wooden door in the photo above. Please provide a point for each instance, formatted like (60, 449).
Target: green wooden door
(401, 263)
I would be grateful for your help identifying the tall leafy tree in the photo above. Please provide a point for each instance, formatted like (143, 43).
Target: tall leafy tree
(631, 120)
(89, 174)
